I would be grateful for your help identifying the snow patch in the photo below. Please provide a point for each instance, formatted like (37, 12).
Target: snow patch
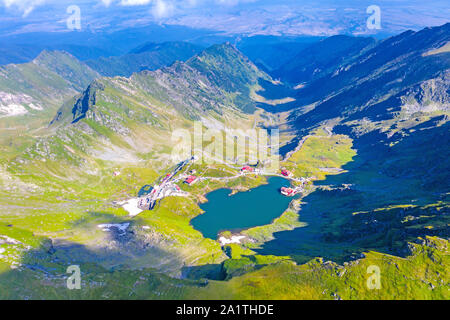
(12, 110)
(35, 107)
(122, 227)
(131, 206)
(234, 239)
(8, 240)
(16, 104)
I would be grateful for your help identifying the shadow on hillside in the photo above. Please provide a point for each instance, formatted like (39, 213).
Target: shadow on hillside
(108, 265)
(121, 245)
(415, 171)
(43, 275)
(272, 91)
(279, 91)
(207, 271)
(113, 267)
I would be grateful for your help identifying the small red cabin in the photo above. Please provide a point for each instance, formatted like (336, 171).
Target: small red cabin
(287, 191)
(190, 179)
(286, 173)
(247, 169)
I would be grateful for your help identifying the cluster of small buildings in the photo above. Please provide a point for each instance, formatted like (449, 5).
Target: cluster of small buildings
(289, 192)
(246, 169)
(167, 187)
(190, 180)
(286, 173)
(148, 201)
(250, 169)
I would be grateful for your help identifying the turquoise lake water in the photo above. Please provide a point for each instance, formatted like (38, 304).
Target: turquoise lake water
(243, 210)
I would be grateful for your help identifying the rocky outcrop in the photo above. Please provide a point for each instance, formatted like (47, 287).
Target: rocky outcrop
(87, 99)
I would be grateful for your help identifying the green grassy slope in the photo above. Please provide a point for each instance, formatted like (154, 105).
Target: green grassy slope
(422, 275)
(377, 184)
(49, 79)
(30, 94)
(61, 186)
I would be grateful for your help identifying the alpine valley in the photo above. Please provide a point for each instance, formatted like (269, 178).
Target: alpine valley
(364, 145)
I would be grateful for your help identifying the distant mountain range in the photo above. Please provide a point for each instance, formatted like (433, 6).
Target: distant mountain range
(379, 80)
(149, 56)
(54, 76)
(203, 84)
(321, 58)
(213, 86)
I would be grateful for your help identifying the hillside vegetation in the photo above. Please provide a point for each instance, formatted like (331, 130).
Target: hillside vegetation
(370, 157)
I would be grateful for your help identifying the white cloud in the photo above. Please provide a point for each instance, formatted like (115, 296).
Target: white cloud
(26, 6)
(106, 2)
(160, 8)
(135, 2)
(233, 2)
(163, 9)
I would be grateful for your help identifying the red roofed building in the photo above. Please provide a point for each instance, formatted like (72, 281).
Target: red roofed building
(286, 173)
(287, 191)
(190, 180)
(247, 169)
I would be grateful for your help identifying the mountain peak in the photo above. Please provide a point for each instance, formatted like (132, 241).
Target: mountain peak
(149, 56)
(419, 41)
(47, 55)
(223, 48)
(219, 55)
(66, 66)
(168, 45)
(227, 67)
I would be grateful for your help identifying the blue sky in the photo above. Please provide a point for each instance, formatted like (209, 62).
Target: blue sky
(323, 17)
